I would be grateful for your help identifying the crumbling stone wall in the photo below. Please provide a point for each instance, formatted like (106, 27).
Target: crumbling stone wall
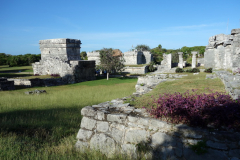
(223, 51)
(62, 56)
(166, 63)
(94, 56)
(135, 70)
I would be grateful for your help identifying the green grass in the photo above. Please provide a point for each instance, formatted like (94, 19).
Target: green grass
(45, 126)
(6, 68)
(139, 65)
(182, 85)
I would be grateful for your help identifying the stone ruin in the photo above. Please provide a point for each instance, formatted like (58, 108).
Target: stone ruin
(223, 51)
(62, 57)
(131, 57)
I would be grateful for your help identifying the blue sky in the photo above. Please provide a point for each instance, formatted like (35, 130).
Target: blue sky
(116, 24)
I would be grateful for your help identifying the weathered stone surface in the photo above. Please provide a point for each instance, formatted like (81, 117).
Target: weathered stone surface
(104, 144)
(136, 136)
(157, 124)
(217, 145)
(120, 118)
(84, 135)
(194, 53)
(88, 111)
(81, 146)
(88, 123)
(162, 139)
(102, 126)
(235, 153)
(117, 134)
(130, 150)
(166, 63)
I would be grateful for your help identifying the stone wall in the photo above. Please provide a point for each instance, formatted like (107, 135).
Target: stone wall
(200, 61)
(94, 56)
(62, 56)
(6, 85)
(117, 128)
(135, 70)
(223, 51)
(166, 63)
(231, 83)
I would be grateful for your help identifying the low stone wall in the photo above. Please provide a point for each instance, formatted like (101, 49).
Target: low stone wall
(135, 70)
(231, 83)
(117, 128)
(200, 61)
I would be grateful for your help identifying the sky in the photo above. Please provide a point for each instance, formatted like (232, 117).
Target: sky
(118, 24)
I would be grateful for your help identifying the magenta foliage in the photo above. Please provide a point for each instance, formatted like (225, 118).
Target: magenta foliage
(215, 109)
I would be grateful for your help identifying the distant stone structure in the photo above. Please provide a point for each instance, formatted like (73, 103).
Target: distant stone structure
(223, 51)
(180, 64)
(200, 61)
(131, 57)
(194, 59)
(166, 63)
(62, 56)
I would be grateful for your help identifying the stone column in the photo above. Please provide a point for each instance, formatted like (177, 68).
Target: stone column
(180, 63)
(194, 59)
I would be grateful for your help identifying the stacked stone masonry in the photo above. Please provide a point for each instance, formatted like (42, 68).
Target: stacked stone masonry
(62, 56)
(223, 51)
(231, 83)
(135, 70)
(131, 58)
(116, 127)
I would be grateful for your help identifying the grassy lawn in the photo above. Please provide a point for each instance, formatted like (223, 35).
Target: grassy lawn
(6, 68)
(182, 85)
(45, 126)
(139, 65)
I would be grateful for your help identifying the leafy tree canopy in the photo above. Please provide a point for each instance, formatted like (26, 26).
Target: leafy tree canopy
(109, 62)
(142, 47)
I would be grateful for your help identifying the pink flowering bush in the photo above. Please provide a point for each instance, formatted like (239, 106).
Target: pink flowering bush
(216, 109)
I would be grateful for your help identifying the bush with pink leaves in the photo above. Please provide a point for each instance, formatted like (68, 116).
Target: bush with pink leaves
(217, 110)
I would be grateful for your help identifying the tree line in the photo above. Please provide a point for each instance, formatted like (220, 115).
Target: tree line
(158, 51)
(19, 60)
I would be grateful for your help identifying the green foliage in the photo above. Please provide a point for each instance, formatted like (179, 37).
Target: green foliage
(143, 147)
(193, 70)
(179, 70)
(109, 62)
(19, 60)
(151, 67)
(187, 50)
(142, 47)
(83, 55)
(208, 70)
(200, 147)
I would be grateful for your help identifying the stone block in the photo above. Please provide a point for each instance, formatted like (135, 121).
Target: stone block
(157, 124)
(162, 139)
(120, 118)
(102, 126)
(88, 123)
(81, 146)
(216, 145)
(129, 150)
(84, 135)
(88, 111)
(136, 136)
(117, 135)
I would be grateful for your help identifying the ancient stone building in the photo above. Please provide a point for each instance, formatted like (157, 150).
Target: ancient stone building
(223, 51)
(131, 58)
(62, 56)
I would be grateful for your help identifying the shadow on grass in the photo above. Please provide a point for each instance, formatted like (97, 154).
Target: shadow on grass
(12, 75)
(42, 126)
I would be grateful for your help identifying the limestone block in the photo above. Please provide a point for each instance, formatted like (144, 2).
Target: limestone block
(84, 135)
(88, 111)
(120, 118)
(136, 136)
(217, 145)
(117, 134)
(102, 126)
(194, 53)
(100, 115)
(162, 139)
(104, 144)
(157, 124)
(88, 123)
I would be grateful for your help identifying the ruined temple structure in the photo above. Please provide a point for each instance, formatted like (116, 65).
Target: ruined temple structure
(62, 57)
(223, 51)
(131, 58)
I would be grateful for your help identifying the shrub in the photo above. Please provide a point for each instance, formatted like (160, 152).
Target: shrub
(209, 70)
(215, 109)
(179, 70)
(193, 70)
(151, 67)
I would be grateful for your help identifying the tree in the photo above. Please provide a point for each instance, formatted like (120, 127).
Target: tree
(83, 55)
(109, 62)
(142, 47)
